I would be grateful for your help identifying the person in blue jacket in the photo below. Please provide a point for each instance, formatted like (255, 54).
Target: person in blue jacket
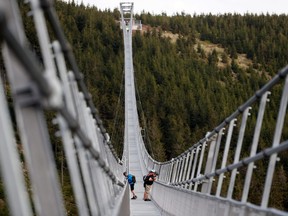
(131, 180)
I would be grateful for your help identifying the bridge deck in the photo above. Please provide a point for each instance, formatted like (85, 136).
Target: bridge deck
(139, 206)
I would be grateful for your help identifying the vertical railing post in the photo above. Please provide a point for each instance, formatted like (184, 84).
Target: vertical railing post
(276, 142)
(186, 165)
(254, 146)
(192, 152)
(174, 173)
(179, 159)
(195, 161)
(168, 169)
(200, 164)
(10, 164)
(164, 172)
(181, 168)
(238, 151)
(225, 155)
(208, 167)
(170, 176)
(215, 157)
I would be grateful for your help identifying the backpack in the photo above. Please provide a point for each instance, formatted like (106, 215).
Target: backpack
(146, 178)
(133, 179)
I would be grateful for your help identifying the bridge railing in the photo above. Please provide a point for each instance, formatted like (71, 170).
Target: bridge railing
(239, 153)
(45, 92)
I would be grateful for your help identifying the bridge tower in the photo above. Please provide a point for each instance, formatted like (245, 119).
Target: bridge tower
(126, 9)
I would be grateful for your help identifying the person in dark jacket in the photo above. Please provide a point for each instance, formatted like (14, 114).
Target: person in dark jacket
(148, 181)
(131, 183)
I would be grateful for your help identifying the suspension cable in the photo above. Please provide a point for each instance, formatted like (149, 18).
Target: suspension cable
(144, 119)
(118, 105)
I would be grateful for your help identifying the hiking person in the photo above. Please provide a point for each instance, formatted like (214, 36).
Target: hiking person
(148, 181)
(131, 180)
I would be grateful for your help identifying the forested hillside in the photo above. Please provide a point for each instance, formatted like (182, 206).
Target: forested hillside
(183, 89)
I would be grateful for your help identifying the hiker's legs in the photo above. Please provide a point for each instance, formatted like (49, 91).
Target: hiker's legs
(145, 195)
(132, 191)
(147, 191)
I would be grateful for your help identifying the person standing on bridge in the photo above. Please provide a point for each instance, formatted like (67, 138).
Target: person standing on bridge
(131, 180)
(148, 181)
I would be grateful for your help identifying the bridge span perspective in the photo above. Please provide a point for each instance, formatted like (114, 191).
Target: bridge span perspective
(49, 94)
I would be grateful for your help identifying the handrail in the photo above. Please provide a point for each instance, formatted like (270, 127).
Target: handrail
(265, 153)
(188, 170)
(44, 86)
(92, 162)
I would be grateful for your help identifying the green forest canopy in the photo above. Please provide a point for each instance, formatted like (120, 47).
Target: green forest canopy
(184, 90)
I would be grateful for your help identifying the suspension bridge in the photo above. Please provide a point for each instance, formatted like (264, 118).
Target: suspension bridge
(190, 184)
